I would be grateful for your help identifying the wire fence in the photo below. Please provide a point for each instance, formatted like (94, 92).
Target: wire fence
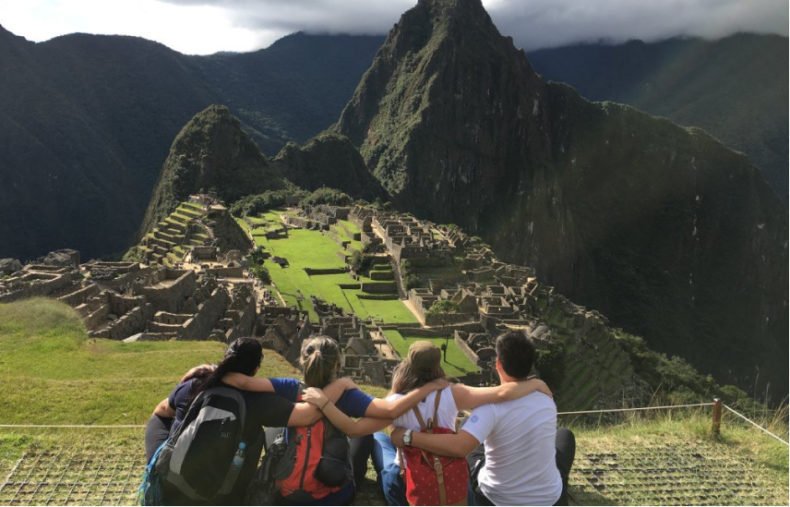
(85, 471)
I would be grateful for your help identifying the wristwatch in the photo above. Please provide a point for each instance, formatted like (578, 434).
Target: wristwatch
(407, 437)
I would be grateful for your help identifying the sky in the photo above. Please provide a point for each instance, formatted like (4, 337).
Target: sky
(209, 26)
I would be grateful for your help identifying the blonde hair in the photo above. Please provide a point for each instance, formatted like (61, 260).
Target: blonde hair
(319, 360)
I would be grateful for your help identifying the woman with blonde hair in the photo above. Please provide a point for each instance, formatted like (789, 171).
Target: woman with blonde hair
(421, 367)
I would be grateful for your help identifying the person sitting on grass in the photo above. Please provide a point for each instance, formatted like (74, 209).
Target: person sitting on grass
(243, 356)
(320, 362)
(421, 366)
(169, 412)
(515, 452)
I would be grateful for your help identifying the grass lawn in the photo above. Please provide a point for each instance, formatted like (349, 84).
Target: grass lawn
(392, 311)
(457, 363)
(312, 249)
(672, 459)
(52, 373)
(305, 248)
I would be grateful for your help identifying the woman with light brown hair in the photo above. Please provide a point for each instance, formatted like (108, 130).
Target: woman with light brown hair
(421, 367)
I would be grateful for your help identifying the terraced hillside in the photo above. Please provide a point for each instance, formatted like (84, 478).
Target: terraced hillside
(167, 242)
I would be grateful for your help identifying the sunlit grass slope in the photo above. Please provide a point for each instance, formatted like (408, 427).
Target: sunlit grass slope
(52, 373)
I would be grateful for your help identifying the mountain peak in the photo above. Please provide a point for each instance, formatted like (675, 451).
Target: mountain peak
(439, 69)
(211, 154)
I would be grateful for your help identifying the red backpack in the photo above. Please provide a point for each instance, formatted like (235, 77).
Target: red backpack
(431, 479)
(316, 462)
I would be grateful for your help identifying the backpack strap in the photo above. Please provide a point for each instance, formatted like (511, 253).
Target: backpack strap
(431, 422)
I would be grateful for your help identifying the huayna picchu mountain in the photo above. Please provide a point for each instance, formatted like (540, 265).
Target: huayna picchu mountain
(211, 154)
(661, 228)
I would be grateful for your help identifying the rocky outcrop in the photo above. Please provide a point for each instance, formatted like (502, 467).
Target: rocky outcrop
(661, 228)
(210, 154)
(329, 160)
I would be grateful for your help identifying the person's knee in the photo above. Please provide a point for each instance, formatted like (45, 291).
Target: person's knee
(392, 485)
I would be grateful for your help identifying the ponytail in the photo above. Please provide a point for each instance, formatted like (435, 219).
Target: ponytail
(244, 355)
(320, 360)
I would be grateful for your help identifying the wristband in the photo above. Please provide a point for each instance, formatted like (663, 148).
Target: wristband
(321, 409)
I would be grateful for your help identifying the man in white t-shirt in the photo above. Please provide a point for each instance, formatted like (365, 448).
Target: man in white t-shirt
(520, 464)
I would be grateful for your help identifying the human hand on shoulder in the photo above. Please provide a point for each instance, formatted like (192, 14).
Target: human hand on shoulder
(199, 370)
(540, 386)
(439, 383)
(315, 396)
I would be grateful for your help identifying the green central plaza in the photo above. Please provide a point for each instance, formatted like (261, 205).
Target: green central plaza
(306, 248)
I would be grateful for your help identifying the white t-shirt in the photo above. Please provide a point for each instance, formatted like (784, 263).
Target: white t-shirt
(519, 436)
(447, 412)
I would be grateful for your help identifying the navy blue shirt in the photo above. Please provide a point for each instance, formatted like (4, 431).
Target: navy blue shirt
(353, 402)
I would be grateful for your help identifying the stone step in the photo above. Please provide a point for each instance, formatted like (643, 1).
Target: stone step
(173, 224)
(189, 212)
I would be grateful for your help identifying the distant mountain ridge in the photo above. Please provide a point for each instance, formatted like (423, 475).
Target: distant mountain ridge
(736, 88)
(87, 122)
(663, 229)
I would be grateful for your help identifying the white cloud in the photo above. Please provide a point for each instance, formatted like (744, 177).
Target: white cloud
(206, 26)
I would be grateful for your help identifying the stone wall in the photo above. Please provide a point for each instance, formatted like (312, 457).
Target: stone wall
(37, 284)
(80, 296)
(170, 294)
(208, 313)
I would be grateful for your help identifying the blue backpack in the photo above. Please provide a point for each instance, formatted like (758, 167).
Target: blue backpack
(150, 491)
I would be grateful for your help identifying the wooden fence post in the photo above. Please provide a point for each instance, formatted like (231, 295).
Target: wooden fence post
(716, 417)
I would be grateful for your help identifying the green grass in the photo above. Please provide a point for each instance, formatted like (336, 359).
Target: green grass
(391, 311)
(672, 458)
(457, 363)
(307, 248)
(52, 373)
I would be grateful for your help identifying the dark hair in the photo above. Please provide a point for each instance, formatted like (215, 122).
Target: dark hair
(243, 355)
(516, 353)
(320, 360)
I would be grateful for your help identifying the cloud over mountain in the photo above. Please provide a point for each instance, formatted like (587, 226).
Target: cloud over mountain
(533, 24)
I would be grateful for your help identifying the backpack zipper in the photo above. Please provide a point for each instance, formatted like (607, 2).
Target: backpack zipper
(306, 458)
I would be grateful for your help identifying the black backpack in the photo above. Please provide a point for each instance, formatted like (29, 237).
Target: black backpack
(203, 458)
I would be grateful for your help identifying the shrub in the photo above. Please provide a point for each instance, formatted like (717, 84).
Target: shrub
(443, 306)
(261, 273)
(360, 262)
(411, 281)
(326, 195)
(260, 203)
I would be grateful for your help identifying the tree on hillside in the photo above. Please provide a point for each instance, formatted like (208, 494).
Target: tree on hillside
(442, 309)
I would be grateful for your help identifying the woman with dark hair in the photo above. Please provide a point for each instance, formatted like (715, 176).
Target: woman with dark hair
(242, 357)
(421, 366)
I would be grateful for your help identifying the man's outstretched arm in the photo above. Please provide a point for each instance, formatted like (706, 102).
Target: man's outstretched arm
(456, 445)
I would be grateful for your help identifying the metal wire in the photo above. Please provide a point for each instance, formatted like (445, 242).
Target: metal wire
(755, 424)
(607, 410)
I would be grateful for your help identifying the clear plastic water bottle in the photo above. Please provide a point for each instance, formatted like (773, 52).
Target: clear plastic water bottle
(235, 469)
(238, 458)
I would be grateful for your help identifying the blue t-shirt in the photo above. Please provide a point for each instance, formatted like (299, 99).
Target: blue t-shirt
(353, 402)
